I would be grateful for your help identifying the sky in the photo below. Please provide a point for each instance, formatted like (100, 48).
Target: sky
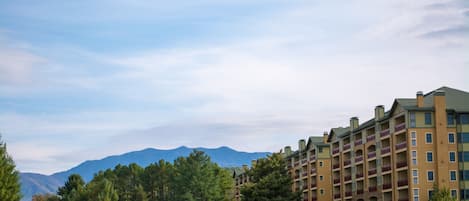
(81, 80)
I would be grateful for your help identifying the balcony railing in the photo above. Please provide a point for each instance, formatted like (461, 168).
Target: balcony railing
(348, 178)
(289, 166)
(335, 150)
(403, 182)
(372, 189)
(385, 150)
(313, 171)
(370, 138)
(359, 175)
(358, 142)
(386, 168)
(387, 186)
(347, 146)
(372, 172)
(399, 127)
(372, 154)
(358, 159)
(312, 158)
(314, 199)
(297, 176)
(297, 163)
(348, 193)
(336, 181)
(360, 191)
(304, 161)
(313, 185)
(305, 187)
(335, 166)
(336, 196)
(401, 145)
(347, 162)
(304, 174)
(384, 133)
(401, 164)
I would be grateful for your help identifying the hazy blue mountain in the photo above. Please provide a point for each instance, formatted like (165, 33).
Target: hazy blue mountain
(32, 183)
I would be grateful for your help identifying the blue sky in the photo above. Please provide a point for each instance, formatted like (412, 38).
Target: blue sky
(81, 80)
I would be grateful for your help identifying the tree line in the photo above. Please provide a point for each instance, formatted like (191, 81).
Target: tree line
(191, 178)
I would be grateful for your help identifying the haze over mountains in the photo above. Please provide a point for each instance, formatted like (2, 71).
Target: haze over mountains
(32, 183)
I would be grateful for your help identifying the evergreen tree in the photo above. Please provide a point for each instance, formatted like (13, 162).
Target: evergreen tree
(156, 179)
(73, 190)
(9, 176)
(270, 181)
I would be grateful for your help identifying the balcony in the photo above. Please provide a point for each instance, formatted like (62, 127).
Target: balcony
(312, 158)
(385, 150)
(304, 174)
(314, 199)
(289, 166)
(336, 181)
(313, 185)
(359, 175)
(370, 138)
(347, 146)
(372, 189)
(347, 162)
(386, 168)
(360, 191)
(304, 161)
(403, 182)
(401, 164)
(337, 196)
(305, 187)
(401, 145)
(297, 176)
(387, 186)
(313, 171)
(297, 163)
(384, 133)
(335, 166)
(372, 154)
(372, 172)
(399, 127)
(348, 193)
(358, 142)
(358, 159)
(348, 178)
(335, 150)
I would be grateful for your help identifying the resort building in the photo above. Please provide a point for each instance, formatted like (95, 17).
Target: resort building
(310, 167)
(402, 153)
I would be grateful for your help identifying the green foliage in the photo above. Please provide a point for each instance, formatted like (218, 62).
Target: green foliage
(46, 197)
(442, 195)
(192, 178)
(9, 177)
(270, 181)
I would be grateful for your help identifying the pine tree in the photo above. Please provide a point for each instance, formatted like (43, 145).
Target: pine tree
(9, 176)
(73, 190)
(270, 181)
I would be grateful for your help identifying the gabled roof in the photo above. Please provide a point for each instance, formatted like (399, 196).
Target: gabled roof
(339, 132)
(455, 99)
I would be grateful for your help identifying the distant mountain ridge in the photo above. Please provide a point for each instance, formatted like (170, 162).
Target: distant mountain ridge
(32, 183)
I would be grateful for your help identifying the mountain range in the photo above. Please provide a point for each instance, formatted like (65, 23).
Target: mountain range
(33, 183)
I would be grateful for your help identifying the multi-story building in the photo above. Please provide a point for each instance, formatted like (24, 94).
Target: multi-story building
(402, 153)
(310, 168)
(241, 178)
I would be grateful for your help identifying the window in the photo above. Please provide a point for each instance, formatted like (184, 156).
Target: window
(415, 176)
(416, 194)
(428, 138)
(452, 175)
(430, 175)
(454, 193)
(320, 164)
(321, 191)
(430, 194)
(463, 137)
(464, 118)
(414, 157)
(321, 178)
(450, 118)
(429, 156)
(428, 118)
(452, 156)
(451, 138)
(412, 119)
(320, 149)
(463, 156)
(413, 135)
